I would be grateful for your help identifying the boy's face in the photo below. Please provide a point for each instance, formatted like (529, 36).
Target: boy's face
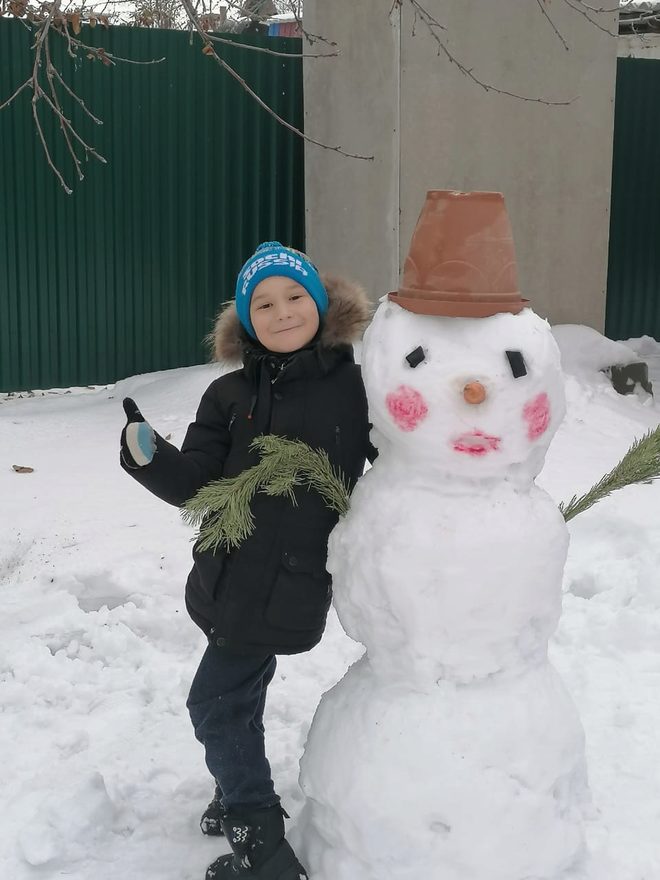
(283, 314)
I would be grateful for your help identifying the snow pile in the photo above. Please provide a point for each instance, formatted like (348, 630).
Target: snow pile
(586, 352)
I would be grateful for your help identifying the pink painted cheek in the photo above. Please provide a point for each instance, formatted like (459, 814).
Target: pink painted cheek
(407, 407)
(537, 415)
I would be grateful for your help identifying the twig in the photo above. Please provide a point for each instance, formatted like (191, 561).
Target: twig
(310, 37)
(35, 114)
(70, 51)
(600, 8)
(427, 17)
(100, 53)
(541, 5)
(114, 58)
(583, 10)
(25, 85)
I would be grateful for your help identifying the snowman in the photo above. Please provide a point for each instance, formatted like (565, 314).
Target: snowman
(451, 750)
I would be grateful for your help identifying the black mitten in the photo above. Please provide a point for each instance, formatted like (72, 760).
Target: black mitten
(138, 440)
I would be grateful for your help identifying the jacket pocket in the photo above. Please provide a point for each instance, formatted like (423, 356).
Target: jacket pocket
(301, 593)
(210, 568)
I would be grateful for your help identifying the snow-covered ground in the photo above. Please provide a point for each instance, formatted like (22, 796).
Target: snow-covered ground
(102, 776)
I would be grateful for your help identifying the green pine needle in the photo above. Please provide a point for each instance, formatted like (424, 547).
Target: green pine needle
(221, 510)
(641, 464)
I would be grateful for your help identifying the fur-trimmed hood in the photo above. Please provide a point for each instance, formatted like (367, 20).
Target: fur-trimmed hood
(349, 311)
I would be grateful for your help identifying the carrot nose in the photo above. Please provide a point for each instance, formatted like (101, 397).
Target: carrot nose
(474, 392)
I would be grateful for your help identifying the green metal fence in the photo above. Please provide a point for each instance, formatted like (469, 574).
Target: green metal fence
(633, 284)
(125, 275)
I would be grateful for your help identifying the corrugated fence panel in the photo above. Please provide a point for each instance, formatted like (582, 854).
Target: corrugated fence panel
(125, 275)
(633, 282)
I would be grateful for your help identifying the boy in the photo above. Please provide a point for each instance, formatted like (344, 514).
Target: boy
(270, 596)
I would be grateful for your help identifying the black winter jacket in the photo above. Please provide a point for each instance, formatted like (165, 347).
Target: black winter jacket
(272, 594)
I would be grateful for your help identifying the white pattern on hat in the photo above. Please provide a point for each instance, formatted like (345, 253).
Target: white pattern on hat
(277, 259)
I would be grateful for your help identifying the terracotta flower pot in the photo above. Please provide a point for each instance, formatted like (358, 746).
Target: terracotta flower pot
(461, 261)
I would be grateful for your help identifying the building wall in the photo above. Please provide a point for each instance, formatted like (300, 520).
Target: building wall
(396, 95)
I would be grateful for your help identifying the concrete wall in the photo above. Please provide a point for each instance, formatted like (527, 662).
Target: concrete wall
(352, 101)
(430, 126)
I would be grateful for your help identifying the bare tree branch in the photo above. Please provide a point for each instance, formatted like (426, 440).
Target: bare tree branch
(209, 50)
(53, 92)
(45, 78)
(217, 39)
(65, 18)
(37, 93)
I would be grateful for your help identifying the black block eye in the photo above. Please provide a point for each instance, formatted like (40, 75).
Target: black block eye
(517, 363)
(416, 357)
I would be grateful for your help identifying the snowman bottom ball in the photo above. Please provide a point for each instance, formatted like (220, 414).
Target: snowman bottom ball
(485, 782)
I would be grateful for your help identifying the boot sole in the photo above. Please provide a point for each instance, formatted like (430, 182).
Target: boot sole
(282, 865)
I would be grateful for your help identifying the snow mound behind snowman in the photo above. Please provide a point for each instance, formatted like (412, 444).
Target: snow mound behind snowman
(586, 352)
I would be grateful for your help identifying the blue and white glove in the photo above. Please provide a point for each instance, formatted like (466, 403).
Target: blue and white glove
(138, 439)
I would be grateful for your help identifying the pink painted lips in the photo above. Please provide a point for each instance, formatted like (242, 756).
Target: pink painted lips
(476, 443)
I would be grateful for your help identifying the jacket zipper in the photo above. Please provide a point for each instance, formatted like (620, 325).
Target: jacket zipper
(282, 367)
(253, 401)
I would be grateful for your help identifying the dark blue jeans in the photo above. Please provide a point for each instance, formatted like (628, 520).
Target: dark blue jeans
(226, 705)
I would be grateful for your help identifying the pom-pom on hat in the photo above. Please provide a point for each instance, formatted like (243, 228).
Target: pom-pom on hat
(273, 258)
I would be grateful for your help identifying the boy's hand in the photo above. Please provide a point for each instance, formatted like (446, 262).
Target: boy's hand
(138, 440)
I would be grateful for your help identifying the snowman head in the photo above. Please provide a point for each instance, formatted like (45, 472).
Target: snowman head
(469, 397)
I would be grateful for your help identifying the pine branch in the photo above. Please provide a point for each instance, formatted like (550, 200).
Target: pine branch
(221, 510)
(641, 464)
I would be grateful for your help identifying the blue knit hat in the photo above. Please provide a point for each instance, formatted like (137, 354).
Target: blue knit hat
(273, 258)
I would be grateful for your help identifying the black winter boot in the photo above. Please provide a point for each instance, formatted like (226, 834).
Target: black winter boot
(211, 821)
(260, 851)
